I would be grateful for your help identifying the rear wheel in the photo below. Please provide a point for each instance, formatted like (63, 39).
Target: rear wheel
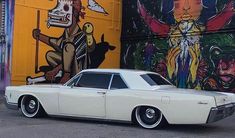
(31, 107)
(149, 117)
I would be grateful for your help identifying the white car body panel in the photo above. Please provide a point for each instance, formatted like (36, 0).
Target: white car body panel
(179, 106)
(48, 95)
(173, 110)
(82, 102)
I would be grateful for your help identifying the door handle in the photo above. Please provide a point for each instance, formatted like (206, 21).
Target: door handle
(101, 92)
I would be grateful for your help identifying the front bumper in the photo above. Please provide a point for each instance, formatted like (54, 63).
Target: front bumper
(9, 105)
(220, 112)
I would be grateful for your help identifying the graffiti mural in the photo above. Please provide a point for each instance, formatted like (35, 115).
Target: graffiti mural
(76, 49)
(6, 42)
(189, 42)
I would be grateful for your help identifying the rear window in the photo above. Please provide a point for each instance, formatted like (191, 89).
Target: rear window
(154, 79)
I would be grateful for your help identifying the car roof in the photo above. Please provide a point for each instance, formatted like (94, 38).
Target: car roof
(121, 71)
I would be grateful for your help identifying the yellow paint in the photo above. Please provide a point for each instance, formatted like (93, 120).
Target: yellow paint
(23, 54)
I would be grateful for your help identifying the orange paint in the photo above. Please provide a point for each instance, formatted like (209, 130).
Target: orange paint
(24, 45)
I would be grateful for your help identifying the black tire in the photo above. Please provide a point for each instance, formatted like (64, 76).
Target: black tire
(31, 107)
(149, 117)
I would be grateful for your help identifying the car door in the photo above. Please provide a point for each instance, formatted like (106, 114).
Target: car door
(118, 99)
(85, 96)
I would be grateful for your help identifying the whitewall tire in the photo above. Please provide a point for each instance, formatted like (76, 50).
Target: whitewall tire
(31, 107)
(149, 117)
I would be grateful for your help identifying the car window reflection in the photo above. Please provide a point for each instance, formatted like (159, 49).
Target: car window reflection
(94, 80)
(154, 79)
(118, 83)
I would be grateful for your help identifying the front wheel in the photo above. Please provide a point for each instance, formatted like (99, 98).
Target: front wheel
(31, 107)
(149, 117)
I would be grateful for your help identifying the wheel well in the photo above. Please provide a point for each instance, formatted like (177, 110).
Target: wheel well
(19, 101)
(133, 119)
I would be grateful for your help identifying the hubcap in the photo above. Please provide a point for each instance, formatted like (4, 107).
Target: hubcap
(150, 113)
(29, 106)
(148, 117)
(32, 104)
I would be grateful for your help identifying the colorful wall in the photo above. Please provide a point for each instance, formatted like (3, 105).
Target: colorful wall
(190, 42)
(55, 39)
(6, 41)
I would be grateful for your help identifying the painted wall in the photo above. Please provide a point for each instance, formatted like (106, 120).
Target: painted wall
(55, 39)
(189, 42)
(7, 9)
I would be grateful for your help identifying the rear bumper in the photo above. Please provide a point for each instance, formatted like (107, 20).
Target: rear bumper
(9, 105)
(220, 112)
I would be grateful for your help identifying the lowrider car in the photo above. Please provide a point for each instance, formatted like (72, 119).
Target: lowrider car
(123, 95)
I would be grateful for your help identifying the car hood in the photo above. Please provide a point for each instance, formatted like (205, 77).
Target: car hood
(220, 98)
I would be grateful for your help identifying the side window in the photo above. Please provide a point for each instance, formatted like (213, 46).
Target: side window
(94, 80)
(118, 83)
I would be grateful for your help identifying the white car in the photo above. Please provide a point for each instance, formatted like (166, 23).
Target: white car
(124, 95)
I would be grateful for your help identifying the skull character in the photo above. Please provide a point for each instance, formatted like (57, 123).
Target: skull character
(61, 15)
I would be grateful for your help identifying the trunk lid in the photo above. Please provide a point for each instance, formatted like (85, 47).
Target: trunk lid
(220, 98)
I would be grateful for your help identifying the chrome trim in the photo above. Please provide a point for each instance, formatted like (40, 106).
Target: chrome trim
(9, 105)
(110, 82)
(66, 84)
(220, 112)
(103, 93)
(97, 72)
(150, 113)
(32, 104)
(90, 119)
(204, 103)
(80, 75)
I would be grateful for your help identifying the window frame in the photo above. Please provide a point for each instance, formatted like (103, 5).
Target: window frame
(95, 72)
(72, 79)
(169, 83)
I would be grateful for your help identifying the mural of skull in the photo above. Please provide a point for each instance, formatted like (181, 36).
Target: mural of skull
(61, 15)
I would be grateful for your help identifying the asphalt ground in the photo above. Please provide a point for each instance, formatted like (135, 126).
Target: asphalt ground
(14, 125)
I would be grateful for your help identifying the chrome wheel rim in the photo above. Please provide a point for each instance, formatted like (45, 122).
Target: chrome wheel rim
(32, 104)
(148, 117)
(150, 113)
(29, 106)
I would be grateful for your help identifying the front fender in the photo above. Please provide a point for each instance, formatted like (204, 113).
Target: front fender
(48, 98)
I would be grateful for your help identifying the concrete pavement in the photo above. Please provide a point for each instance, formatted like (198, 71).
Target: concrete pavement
(14, 125)
(1, 96)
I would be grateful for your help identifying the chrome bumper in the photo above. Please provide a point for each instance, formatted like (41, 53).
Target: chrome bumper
(13, 106)
(220, 112)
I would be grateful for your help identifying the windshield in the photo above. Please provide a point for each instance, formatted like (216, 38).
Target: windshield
(155, 79)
